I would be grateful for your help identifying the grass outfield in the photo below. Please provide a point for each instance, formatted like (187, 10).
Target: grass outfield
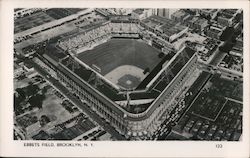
(118, 52)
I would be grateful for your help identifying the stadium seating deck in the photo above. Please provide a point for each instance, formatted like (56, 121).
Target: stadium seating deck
(114, 95)
(175, 68)
(152, 74)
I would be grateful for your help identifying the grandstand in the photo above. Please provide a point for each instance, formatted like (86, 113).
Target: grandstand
(100, 34)
(115, 103)
(119, 68)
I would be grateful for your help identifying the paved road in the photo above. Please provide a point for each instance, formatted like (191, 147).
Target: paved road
(108, 128)
(218, 56)
(224, 71)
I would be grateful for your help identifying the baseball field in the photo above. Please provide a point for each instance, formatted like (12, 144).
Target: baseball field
(122, 61)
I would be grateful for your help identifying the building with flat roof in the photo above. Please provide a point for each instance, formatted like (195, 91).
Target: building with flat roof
(167, 13)
(237, 49)
(166, 28)
(214, 32)
(195, 22)
(20, 12)
(227, 16)
(200, 24)
(180, 15)
(225, 20)
(141, 13)
(18, 70)
(209, 12)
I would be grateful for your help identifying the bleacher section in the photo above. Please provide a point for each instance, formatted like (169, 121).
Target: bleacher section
(99, 33)
(155, 71)
(173, 69)
(86, 75)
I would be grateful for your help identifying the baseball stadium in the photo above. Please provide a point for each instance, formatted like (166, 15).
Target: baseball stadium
(124, 72)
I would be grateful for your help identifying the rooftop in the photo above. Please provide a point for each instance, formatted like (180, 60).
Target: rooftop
(171, 28)
(201, 21)
(28, 65)
(229, 11)
(227, 16)
(167, 26)
(180, 14)
(209, 10)
(193, 19)
(138, 11)
(214, 30)
(16, 66)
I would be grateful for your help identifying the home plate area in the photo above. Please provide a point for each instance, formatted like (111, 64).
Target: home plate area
(126, 76)
(128, 81)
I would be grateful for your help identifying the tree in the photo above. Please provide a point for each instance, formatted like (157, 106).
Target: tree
(44, 120)
(17, 105)
(146, 70)
(32, 89)
(44, 90)
(160, 55)
(21, 93)
(36, 100)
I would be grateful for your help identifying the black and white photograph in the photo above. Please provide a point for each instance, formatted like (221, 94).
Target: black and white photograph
(128, 74)
(84, 75)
